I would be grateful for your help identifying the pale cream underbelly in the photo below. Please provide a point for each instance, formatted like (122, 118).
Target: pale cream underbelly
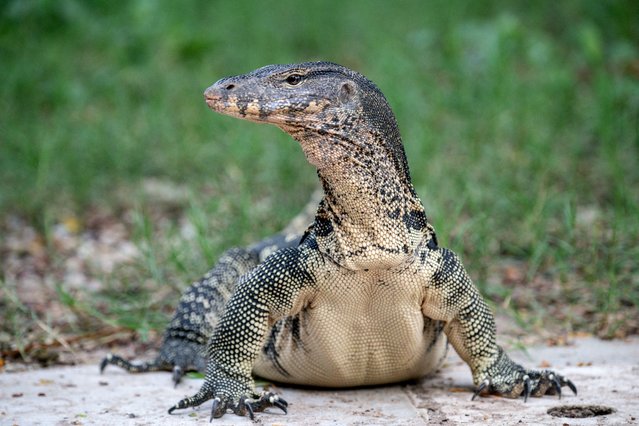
(365, 334)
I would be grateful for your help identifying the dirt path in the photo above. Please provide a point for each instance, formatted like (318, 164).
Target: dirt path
(606, 373)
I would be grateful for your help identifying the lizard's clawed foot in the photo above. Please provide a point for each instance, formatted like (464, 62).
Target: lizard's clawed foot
(158, 364)
(509, 379)
(243, 406)
(177, 355)
(527, 383)
(266, 400)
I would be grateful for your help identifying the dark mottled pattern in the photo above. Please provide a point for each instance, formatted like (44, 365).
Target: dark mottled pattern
(365, 295)
(202, 304)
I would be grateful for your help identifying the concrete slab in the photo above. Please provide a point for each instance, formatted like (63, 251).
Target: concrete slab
(605, 372)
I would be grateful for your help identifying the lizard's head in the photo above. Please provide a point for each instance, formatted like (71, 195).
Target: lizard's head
(286, 95)
(333, 111)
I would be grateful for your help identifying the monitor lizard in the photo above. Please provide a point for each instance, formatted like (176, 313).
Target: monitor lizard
(364, 296)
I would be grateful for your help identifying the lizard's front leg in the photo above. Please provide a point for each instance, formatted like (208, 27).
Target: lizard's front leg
(267, 293)
(452, 297)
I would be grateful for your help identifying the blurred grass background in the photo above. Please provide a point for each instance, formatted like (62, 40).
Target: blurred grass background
(520, 122)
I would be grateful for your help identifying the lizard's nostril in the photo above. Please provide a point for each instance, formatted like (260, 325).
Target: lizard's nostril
(230, 86)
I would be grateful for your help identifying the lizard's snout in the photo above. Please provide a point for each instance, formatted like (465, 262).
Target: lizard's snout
(219, 88)
(210, 98)
(219, 91)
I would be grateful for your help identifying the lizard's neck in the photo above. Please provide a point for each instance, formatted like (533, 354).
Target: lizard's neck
(370, 216)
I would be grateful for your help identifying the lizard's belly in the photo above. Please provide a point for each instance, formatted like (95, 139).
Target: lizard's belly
(360, 329)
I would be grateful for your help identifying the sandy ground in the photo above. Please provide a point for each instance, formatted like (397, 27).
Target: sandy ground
(605, 372)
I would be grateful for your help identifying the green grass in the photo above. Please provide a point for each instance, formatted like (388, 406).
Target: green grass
(519, 119)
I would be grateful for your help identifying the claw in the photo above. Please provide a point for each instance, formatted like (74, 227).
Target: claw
(281, 405)
(481, 387)
(216, 402)
(217, 410)
(527, 387)
(178, 373)
(571, 386)
(197, 399)
(249, 409)
(181, 405)
(105, 362)
(556, 384)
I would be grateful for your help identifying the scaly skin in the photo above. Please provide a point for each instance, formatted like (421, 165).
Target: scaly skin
(367, 296)
(202, 304)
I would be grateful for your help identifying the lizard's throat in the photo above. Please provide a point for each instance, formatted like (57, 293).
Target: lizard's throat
(370, 216)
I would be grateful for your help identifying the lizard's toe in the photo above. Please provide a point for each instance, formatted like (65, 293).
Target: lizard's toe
(269, 399)
(177, 374)
(200, 397)
(550, 383)
(218, 409)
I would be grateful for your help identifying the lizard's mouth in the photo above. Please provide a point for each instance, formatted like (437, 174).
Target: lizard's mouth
(211, 98)
(234, 107)
(217, 103)
(215, 98)
(210, 102)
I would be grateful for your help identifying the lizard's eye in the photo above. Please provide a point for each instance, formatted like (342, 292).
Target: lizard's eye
(294, 79)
